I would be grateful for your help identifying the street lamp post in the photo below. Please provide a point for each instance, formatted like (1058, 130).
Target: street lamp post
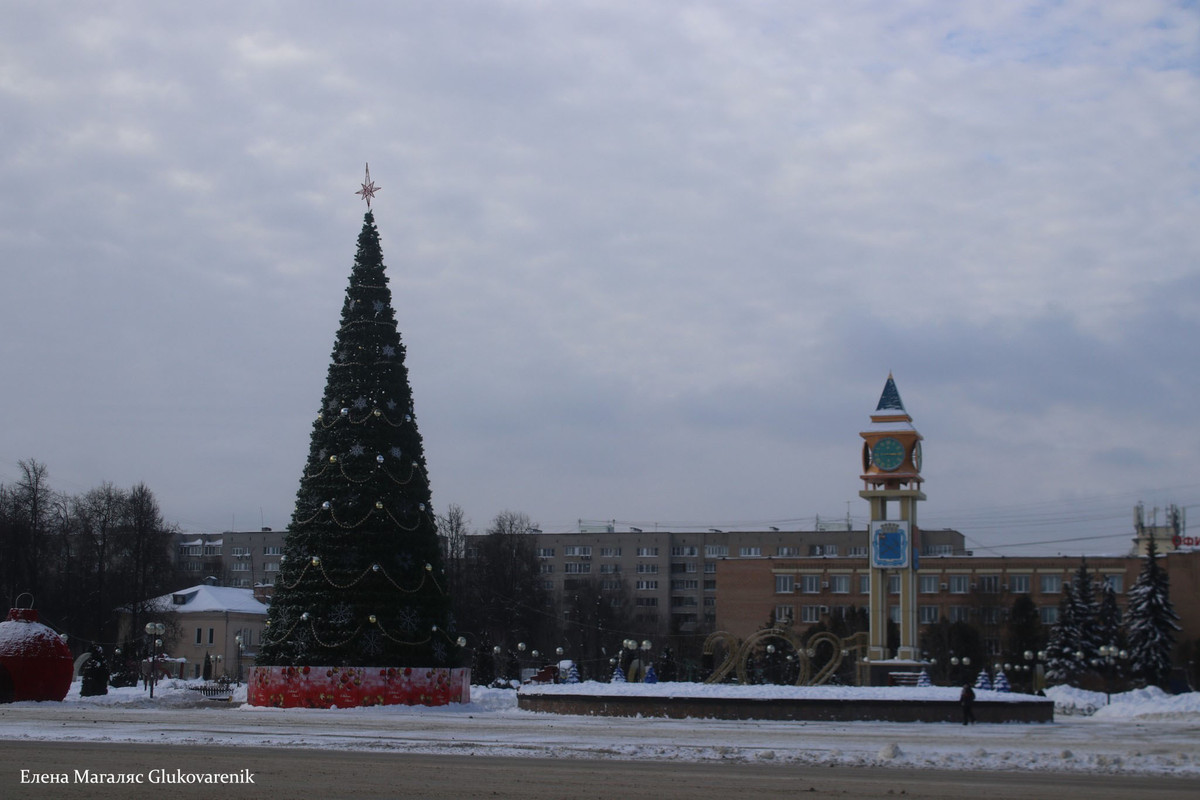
(965, 661)
(238, 640)
(1035, 662)
(1111, 657)
(154, 630)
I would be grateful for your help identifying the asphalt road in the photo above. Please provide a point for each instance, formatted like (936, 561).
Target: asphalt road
(280, 774)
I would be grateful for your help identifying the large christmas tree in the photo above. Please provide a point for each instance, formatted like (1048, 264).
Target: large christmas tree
(361, 582)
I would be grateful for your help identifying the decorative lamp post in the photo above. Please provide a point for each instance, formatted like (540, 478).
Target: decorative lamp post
(154, 630)
(238, 640)
(1110, 659)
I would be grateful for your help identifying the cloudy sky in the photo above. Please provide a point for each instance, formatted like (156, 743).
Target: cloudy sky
(653, 262)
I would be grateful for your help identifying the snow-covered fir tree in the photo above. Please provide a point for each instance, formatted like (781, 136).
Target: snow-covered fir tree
(1084, 612)
(1062, 665)
(1151, 622)
(1108, 619)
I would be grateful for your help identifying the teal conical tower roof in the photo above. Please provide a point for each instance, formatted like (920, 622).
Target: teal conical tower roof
(890, 399)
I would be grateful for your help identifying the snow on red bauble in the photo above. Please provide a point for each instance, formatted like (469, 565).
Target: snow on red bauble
(35, 663)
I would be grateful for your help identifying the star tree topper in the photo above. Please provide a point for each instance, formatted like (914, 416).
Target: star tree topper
(369, 188)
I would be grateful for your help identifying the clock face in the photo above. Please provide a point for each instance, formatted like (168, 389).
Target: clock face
(888, 454)
(916, 456)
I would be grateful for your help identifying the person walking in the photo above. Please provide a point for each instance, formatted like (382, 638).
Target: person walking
(967, 700)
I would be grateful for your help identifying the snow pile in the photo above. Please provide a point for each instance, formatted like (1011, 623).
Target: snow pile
(1141, 704)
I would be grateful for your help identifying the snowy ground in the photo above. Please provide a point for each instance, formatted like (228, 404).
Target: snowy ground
(1139, 732)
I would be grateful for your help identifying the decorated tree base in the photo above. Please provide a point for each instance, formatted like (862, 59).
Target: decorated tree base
(352, 687)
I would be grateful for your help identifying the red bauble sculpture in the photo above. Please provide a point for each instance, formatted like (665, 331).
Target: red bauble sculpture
(35, 663)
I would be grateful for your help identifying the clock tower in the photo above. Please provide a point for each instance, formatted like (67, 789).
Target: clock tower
(891, 463)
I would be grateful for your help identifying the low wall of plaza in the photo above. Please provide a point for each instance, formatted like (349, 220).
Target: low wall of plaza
(816, 710)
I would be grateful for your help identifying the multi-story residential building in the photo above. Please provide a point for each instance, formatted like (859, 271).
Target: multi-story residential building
(671, 580)
(242, 559)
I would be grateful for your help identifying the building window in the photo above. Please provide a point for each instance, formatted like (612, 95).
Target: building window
(938, 550)
(273, 550)
(989, 615)
(647, 552)
(785, 584)
(928, 615)
(810, 613)
(710, 586)
(989, 584)
(960, 584)
(546, 569)
(548, 585)
(240, 566)
(710, 602)
(716, 550)
(857, 550)
(831, 549)
(839, 584)
(1049, 615)
(581, 551)
(816, 549)
(1051, 584)
(610, 569)
(684, 584)
(239, 552)
(210, 635)
(647, 569)
(577, 568)
(927, 584)
(894, 614)
(960, 613)
(646, 602)
(647, 585)
(893, 584)
(1018, 584)
(545, 552)
(748, 552)
(212, 549)
(685, 552)
(864, 584)
(810, 584)
(787, 552)
(199, 636)
(610, 552)
(710, 568)
(1115, 582)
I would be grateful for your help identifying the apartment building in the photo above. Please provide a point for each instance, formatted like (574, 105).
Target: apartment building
(240, 559)
(671, 579)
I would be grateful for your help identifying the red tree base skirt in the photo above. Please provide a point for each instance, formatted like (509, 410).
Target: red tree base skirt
(349, 687)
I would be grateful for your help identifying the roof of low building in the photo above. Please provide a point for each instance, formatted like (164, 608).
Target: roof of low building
(205, 598)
